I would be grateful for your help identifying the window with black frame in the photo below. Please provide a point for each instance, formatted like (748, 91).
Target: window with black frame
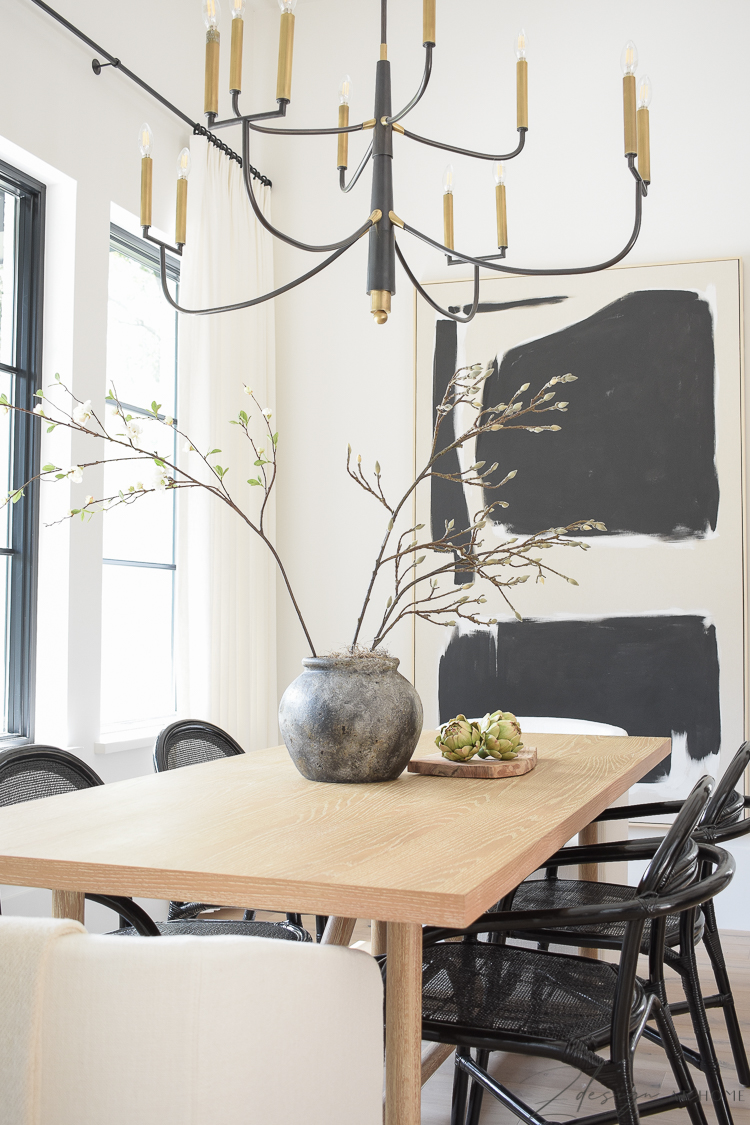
(22, 202)
(139, 551)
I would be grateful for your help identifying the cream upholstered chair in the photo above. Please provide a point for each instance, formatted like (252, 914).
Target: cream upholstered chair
(185, 1029)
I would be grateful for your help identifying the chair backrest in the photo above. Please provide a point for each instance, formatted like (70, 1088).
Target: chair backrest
(28, 773)
(201, 1029)
(190, 741)
(726, 803)
(675, 863)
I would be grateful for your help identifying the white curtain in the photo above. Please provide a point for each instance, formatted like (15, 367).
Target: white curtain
(226, 581)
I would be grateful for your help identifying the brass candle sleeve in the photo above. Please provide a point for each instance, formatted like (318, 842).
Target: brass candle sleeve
(448, 219)
(211, 94)
(522, 94)
(644, 145)
(147, 167)
(343, 155)
(628, 109)
(235, 59)
(428, 22)
(380, 305)
(502, 218)
(286, 49)
(180, 224)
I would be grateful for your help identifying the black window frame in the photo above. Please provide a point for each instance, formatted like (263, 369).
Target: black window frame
(24, 518)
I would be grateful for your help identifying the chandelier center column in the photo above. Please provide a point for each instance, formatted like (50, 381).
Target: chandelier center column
(381, 267)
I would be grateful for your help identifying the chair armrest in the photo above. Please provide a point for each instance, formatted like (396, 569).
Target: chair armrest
(652, 808)
(131, 911)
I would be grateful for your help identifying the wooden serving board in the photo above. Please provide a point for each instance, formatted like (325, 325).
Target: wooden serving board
(439, 766)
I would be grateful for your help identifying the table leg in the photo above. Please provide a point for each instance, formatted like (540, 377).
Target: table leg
(378, 937)
(589, 872)
(338, 931)
(68, 904)
(403, 1034)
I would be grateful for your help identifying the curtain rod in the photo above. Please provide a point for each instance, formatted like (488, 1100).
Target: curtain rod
(198, 130)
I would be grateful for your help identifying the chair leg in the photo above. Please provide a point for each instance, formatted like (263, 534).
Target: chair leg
(460, 1087)
(321, 921)
(677, 1062)
(712, 942)
(248, 916)
(702, 1032)
(477, 1092)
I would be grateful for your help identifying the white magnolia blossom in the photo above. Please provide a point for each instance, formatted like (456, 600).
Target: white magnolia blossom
(267, 414)
(134, 430)
(89, 499)
(168, 421)
(139, 486)
(248, 391)
(82, 413)
(39, 409)
(75, 472)
(188, 448)
(161, 479)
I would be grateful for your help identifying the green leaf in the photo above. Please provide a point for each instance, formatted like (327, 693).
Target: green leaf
(16, 496)
(38, 394)
(212, 451)
(233, 422)
(4, 398)
(159, 463)
(156, 406)
(57, 376)
(275, 439)
(51, 428)
(75, 511)
(251, 481)
(49, 468)
(60, 476)
(243, 416)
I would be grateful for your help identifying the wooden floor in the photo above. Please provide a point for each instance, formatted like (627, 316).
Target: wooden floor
(560, 1093)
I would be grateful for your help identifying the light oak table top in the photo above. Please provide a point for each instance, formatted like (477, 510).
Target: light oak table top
(422, 849)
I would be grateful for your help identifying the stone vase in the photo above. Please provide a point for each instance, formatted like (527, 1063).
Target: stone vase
(350, 719)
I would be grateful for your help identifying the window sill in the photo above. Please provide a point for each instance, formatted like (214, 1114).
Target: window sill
(141, 738)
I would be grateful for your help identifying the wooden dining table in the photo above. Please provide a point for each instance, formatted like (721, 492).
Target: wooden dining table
(251, 830)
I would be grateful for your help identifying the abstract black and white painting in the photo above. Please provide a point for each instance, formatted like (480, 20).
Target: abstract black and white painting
(652, 639)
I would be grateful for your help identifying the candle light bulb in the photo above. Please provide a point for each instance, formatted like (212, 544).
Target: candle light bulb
(644, 92)
(629, 58)
(522, 44)
(448, 180)
(287, 5)
(499, 173)
(238, 9)
(211, 14)
(145, 139)
(345, 90)
(184, 164)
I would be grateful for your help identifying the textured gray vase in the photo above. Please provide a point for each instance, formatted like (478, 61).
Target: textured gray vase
(350, 719)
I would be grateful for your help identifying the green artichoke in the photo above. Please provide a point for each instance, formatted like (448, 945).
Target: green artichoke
(500, 736)
(459, 739)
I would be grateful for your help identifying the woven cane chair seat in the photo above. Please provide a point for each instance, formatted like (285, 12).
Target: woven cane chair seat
(194, 927)
(505, 991)
(551, 894)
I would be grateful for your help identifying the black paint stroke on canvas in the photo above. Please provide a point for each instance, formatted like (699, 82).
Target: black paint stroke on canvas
(649, 675)
(636, 448)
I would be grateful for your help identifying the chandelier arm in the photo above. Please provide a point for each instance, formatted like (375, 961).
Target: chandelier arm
(294, 132)
(542, 273)
(422, 87)
(363, 164)
(255, 300)
(272, 229)
(467, 151)
(435, 305)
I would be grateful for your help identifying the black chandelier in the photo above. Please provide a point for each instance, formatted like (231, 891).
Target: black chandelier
(383, 222)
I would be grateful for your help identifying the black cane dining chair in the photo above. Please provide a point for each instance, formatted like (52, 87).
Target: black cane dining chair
(28, 773)
(487, 995)
(190, 742)
(719, 824)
